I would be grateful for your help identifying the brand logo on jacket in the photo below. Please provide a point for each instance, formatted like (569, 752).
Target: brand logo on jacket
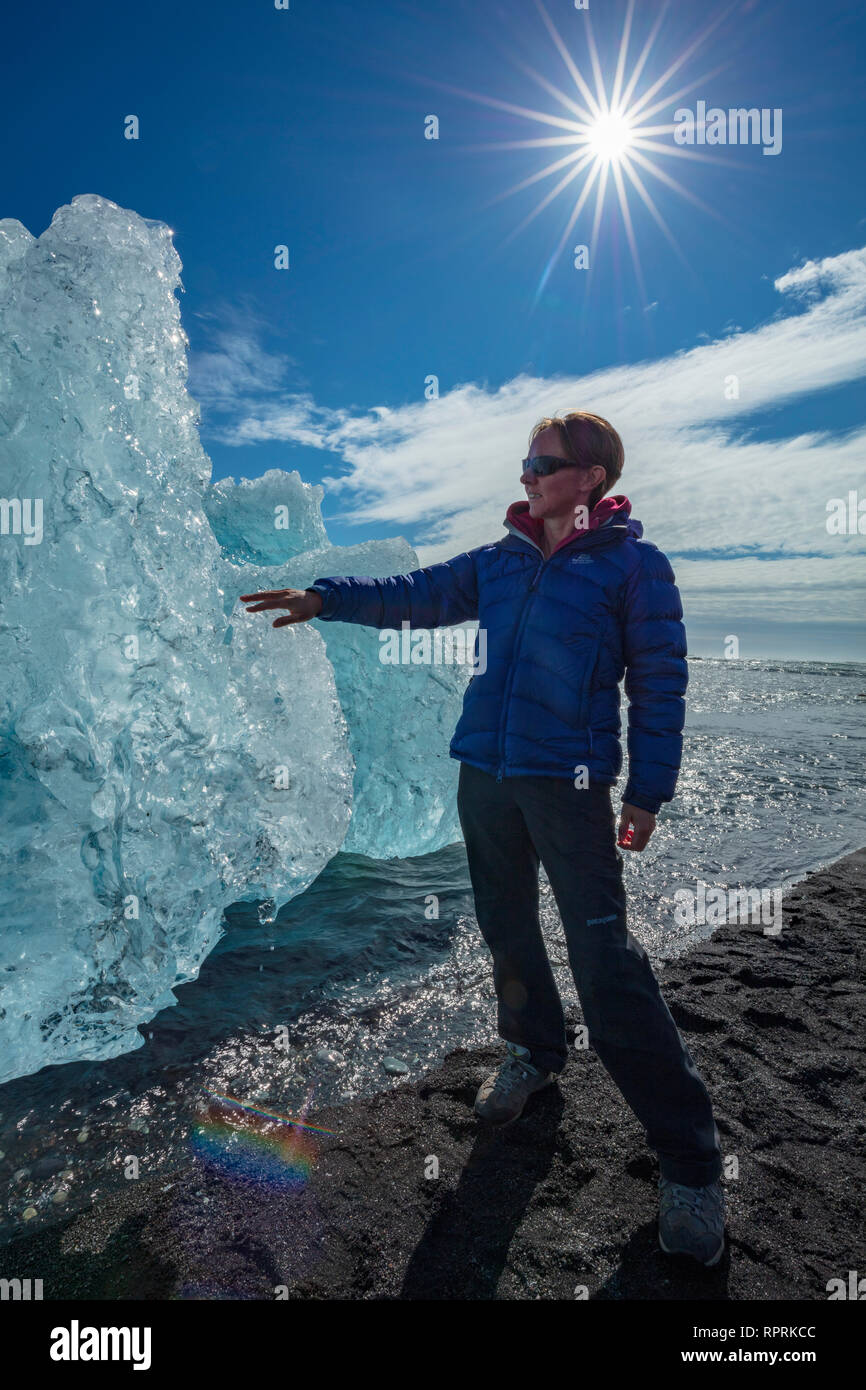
(581, 559)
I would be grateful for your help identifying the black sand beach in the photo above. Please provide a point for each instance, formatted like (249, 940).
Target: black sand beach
(566, 1198)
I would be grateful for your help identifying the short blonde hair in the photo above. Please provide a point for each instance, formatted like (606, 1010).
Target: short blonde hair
(590, 440)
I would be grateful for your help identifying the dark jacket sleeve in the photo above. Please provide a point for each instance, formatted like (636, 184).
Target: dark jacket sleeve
(655, 680)
(438, 596)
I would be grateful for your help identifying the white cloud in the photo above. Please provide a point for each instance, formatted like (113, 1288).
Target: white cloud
(445, 470)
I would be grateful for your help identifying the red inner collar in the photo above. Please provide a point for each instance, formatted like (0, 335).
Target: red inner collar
(617, 506)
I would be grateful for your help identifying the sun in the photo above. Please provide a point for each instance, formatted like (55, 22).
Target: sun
(608, 139)
(609, 136)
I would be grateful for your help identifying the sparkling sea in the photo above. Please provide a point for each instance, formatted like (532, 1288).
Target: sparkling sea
(303, 1010)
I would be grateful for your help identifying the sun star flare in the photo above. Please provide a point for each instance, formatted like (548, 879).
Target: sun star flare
(606, 137)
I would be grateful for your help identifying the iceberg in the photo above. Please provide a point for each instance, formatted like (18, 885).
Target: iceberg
(400, 718)
(163, 753)
(266, 520)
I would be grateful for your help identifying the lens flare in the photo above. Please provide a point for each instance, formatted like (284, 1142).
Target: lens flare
(251, 1145)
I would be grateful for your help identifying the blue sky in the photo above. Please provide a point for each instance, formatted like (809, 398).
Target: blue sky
(409, 257)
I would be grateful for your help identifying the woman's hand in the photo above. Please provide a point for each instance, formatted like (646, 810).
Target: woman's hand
(644, 823)
(302, 604)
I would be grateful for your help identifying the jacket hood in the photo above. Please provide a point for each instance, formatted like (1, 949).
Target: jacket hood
(610, 511)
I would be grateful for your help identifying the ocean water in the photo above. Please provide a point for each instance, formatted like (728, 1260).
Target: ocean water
(384, 959)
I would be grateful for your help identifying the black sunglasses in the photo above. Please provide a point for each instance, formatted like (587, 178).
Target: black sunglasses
(545, 464)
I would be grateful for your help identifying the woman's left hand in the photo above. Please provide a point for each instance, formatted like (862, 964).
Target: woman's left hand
(644, 823)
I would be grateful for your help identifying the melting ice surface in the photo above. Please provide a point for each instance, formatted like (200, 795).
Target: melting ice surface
(163, 754)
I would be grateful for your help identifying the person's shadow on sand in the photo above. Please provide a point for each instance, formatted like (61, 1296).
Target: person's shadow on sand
(463, 1251)
(646, 1273)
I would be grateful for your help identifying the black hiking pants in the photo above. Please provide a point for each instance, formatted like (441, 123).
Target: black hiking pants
(510, 826)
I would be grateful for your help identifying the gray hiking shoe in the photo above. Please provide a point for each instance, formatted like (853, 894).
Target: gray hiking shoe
(503, 1094)
(692, 1220)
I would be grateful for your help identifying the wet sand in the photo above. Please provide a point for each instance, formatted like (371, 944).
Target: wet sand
(566, 1198)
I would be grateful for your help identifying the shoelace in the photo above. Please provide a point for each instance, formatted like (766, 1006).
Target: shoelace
(511, 1072)
(693, 1198)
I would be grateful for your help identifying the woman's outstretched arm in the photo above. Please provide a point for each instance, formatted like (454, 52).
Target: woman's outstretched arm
(437, 596)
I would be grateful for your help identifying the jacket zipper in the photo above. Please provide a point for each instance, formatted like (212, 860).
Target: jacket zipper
(526, 602)
(585, 691)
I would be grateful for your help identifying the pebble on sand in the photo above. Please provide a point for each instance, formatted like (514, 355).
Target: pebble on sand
(394, 1066)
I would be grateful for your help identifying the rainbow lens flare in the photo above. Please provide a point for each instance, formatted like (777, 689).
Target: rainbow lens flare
(252, 1145)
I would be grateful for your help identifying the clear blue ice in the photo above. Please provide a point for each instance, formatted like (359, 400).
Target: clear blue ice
(162, 752)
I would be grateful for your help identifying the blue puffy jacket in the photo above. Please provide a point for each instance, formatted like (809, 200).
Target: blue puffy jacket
(561, 632)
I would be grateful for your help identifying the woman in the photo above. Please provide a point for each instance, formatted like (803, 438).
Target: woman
(571, 599)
